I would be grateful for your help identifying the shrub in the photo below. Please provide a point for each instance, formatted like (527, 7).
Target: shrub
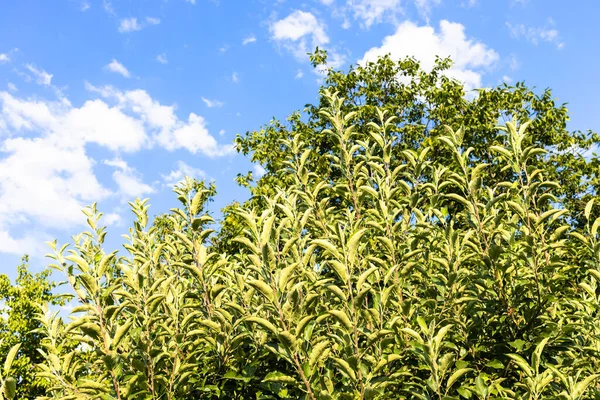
(382, 256)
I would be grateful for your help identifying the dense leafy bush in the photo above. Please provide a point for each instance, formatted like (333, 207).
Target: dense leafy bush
(400, 246)
(19, 338)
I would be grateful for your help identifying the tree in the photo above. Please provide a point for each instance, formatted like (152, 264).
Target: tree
(19, 306)
(401, 245)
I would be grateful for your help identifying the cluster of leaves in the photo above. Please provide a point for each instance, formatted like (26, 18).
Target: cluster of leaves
(19, 338)
(384, 255)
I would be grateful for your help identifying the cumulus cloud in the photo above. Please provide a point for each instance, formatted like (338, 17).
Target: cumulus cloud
(4, 58)
(128, 180)
(47, 174)
(470, 57)
(259, 170)
(177, 175)
(168, 131)
(536, 35)
(299, 33)
(117, 67)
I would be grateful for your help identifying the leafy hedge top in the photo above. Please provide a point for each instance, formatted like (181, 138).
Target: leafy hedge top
(380, 257)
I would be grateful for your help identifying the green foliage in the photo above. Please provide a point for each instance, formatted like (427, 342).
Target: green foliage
(19, 303)
(401, 246)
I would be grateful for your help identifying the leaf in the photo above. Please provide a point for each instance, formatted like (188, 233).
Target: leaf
(10, 357)
(316, 352)
(340, 270)
(456, 375)
(581, 387)
(354, 242)
(537, 354)
(276, 376)
(195, 206)
(325, 244)
(121, 331)
(520, 361)
(262, 287)
(10, 388)
(264, 323)
(364, 276)
(346, 368)
(588, 209)
(342, 317)
(414, 334)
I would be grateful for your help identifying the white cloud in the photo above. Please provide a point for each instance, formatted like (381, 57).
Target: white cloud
(375, 11)
(191, 1)
(117, 67)
(168, 131)
(327, 2)
(470, 57)
(162, 58)
(11, 86)
(299, 32)
(85, 6)
(153, 20)
(224, 48)
(129, 25)
(212, 103)
(259, 170)
(222, 132)
(112, 219)
(507, 79)
(299, 74)
(128, 180)
(4, 58)
(235, 78)
(47, 174)
(183, 170)
(42, 77)
(424, 7)
(536, 35)
(248, 40)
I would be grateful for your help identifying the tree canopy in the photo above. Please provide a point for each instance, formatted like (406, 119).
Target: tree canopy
(409, 240)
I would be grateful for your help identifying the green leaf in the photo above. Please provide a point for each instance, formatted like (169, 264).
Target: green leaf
(264, 323)
(276, 376)
(342, 317)
(588, 209)
(10, 388)
(10, 357)
(345, 367)
(317, 351)
(520, 361)
(457, 375)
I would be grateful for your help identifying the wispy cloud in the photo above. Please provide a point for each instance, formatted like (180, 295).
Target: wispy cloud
(42, 77)
(248, 40)
(212, 103)
(535, 35)
(129, 25)
(162, 58)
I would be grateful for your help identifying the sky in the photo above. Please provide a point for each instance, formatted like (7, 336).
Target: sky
(106, 101)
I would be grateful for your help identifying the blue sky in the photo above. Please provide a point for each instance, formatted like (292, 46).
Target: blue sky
(111, 100)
